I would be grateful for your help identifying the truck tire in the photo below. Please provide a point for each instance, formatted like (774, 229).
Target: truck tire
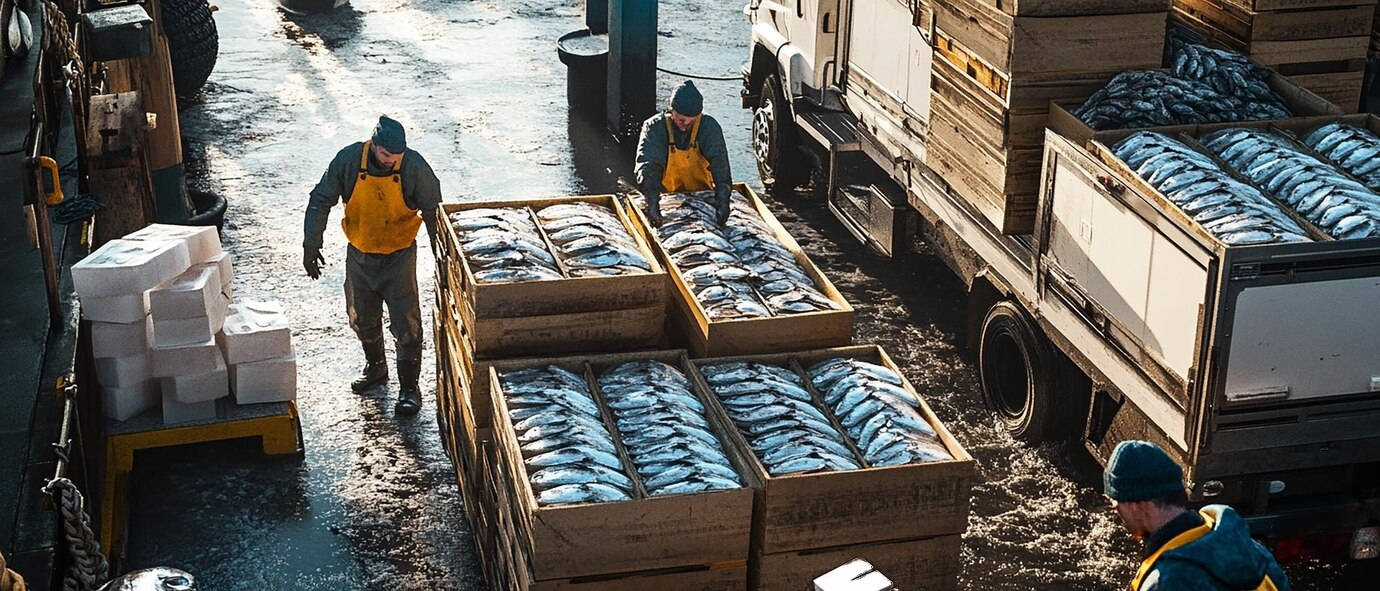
(1017, 369)
(192, 43)
(776, 141)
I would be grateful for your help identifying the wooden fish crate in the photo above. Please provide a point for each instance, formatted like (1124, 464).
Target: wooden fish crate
(822, 510)
(701, 537)
(712, 338)
(557, 316)
(932, 564)
(993, 75)
(1321, 46)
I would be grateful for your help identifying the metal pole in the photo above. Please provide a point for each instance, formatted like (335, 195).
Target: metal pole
(597, 16)
(632, 65)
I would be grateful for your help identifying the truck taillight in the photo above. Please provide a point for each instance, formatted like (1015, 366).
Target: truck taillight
(1326, 549)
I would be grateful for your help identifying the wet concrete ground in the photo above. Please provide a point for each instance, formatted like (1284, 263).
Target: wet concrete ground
(374, 503)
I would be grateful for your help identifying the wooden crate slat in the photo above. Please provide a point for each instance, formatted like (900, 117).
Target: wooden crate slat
(1342, 89)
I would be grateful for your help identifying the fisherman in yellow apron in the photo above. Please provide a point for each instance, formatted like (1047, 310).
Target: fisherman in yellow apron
(1206, 550)
(389, 192)
(680, 150)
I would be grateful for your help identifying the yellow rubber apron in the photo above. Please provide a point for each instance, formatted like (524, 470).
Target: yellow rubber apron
(377, 219)
(1192, 535)
(686, 170)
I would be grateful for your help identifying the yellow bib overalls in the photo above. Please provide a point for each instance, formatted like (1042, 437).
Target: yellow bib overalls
(686, 170)
(377, 219)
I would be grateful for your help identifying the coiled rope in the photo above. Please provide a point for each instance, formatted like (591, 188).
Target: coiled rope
(88, 568)
(57, 34)
(10, 580)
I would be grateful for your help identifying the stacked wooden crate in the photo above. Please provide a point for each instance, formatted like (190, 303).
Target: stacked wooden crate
(996, 67)
(1320, 45)
(906, 520)
(675, 541)
(709, 337)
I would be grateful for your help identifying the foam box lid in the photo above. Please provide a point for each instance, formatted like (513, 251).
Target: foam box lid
(203, 242)
(128, 267)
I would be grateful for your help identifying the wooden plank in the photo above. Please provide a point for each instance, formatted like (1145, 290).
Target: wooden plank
(1003, 184)
(1264, 5)
(931, 563)
(1074, 7)
(1342, 89)
(755, 335)
(1275, 53)
(726, 578)
(1053, 45)
(1349, 21)
(807, 511)
(646, 533)
(609, 330)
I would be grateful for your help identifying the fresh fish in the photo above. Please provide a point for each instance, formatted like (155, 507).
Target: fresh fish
(563, 475)
(569, 456)
(570, 494)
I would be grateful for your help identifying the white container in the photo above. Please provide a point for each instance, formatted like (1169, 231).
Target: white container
(128, 402)
(189, 295)
(175, 412)
(271, 380)
(182, 332)
(256, 331)
(116, 309)
(110, 339)
(857, 575)
(203, 242)
(122, 372)
(128, 267)
(227, 271)
(203, 357)
(203, 387)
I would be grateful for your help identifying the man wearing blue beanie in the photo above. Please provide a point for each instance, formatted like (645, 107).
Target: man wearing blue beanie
(1207, 550)
(683, 150)
(389, 192)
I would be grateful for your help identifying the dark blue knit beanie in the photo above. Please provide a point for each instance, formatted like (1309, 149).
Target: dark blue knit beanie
(389, 135)
(1140, 471)
(687, 100)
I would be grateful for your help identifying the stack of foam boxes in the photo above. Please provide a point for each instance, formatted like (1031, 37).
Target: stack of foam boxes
(158, 300)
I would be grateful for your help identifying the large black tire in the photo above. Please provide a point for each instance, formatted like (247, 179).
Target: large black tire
(781, 164)
(1018, 371)
(192, 43)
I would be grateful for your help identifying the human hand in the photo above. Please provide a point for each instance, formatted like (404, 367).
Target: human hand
(312, 261)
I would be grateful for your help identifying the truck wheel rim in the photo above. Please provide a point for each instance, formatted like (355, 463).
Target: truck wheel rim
(761, 135)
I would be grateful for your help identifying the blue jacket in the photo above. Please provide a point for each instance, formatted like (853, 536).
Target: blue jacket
(1226, 558)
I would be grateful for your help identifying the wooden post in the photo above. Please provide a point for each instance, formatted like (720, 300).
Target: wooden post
(116, 131)
(151, 75)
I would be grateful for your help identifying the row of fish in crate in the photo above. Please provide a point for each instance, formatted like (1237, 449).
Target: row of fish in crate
(836, 415)
(165, 333)
(1330, 178)
(509, 244)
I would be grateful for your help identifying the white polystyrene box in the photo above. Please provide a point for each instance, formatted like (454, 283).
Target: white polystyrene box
(194, 388)
(128, 402)
(203, 357)
(856, 575)
(190, 331)
(119, 309)
(256, 331)
(227, 270)
(111, 339)
(175, 412)
(128, 267)
(271, 380)
(203, 242)
(121, 372)
(188, 295)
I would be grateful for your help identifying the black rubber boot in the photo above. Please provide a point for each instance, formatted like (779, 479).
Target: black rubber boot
(409, 395)
(375, 371)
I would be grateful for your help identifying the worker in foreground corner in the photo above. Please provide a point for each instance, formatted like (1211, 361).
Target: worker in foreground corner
(682, 150)
(389, 192)
(1209, 549)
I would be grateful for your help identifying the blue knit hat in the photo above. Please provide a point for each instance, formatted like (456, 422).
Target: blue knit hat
(389, 135)
(1140, 471)
(687, 100)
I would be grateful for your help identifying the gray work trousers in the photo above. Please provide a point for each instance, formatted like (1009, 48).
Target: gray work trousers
(372, 280)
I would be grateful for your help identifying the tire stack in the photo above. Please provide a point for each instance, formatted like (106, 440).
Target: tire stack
(193, 43)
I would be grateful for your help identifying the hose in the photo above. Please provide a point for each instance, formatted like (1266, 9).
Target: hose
(698, 76)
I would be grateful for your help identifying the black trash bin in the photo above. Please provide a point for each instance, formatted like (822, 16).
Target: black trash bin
(586, 57)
